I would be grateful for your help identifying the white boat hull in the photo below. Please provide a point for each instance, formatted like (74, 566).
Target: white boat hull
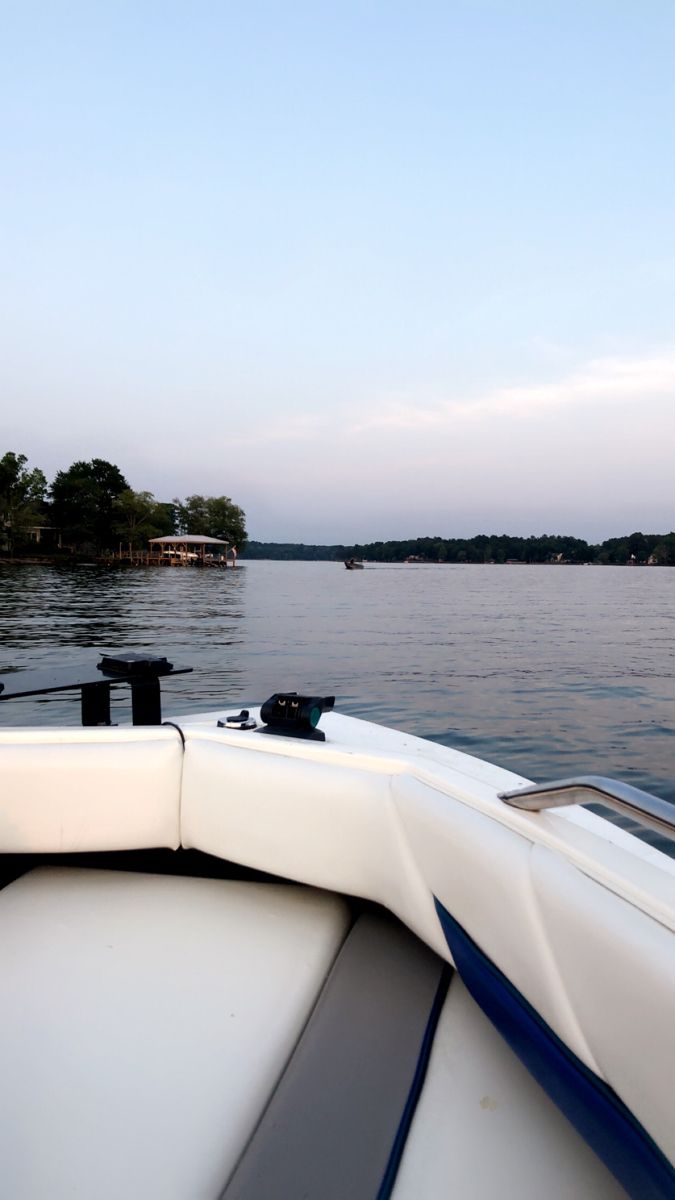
(560, 924)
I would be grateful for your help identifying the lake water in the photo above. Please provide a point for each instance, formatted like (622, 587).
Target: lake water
(549, 671)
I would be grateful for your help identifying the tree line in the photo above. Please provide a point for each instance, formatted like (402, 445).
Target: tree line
(638, 548)
(90, 508)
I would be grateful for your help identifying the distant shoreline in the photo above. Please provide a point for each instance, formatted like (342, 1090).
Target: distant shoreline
(632, 550)
(635, 549)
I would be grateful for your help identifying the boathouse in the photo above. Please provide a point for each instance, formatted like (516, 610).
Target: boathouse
(189, 549)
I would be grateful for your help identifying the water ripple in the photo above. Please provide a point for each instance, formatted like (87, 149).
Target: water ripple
(547, 670)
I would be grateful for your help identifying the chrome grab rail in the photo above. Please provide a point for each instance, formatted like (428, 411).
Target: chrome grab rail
(588, 789)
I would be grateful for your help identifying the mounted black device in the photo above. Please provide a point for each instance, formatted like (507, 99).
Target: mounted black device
(292, 715)
(133, 663)
(141, 671)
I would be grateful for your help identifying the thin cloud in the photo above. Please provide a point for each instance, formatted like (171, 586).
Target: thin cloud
(601, 381)
(301, 427)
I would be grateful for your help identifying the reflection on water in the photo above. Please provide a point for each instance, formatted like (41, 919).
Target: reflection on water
(51, 616)
(547, 670)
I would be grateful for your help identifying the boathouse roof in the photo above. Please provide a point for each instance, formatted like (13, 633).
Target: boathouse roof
(188, 539)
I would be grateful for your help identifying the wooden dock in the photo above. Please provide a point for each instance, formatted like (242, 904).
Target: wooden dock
(144, 558)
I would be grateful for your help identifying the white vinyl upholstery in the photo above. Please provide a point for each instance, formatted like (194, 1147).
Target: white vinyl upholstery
(576, 922)
(626, 1001)
(600, 971)
(576, 914)
(330, 825)
(89, 789)
(484, 1128)
(144, 1022)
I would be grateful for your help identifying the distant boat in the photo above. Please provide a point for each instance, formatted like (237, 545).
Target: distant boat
(354, 564)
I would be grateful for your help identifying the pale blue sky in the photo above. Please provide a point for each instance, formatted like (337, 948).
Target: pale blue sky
(373, 270)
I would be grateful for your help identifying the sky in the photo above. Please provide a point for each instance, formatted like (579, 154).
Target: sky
(373, 270)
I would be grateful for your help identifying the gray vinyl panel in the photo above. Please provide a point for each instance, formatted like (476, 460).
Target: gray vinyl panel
(328, 1131)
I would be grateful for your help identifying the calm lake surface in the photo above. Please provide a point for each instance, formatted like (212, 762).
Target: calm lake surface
(549, 671)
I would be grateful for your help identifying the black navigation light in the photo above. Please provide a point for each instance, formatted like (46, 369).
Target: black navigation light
(292, 715)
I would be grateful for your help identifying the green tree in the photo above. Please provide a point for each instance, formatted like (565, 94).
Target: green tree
(83, 503)
(659, 554)
(213, 516)
(638, 547)
(164, 518)
(226, 520)
(22, 499)
(139, 517)
(192, 515)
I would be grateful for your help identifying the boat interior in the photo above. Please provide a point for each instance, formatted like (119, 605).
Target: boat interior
(249, 967)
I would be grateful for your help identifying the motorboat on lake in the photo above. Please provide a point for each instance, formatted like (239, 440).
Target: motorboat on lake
(283, 953)
(354, 564)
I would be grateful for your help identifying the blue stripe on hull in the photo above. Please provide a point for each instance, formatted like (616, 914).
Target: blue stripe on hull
(595, 1110)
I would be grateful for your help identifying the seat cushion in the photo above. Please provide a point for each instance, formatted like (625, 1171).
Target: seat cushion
(144, 1023)
(89, 789)
(483, 1128)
